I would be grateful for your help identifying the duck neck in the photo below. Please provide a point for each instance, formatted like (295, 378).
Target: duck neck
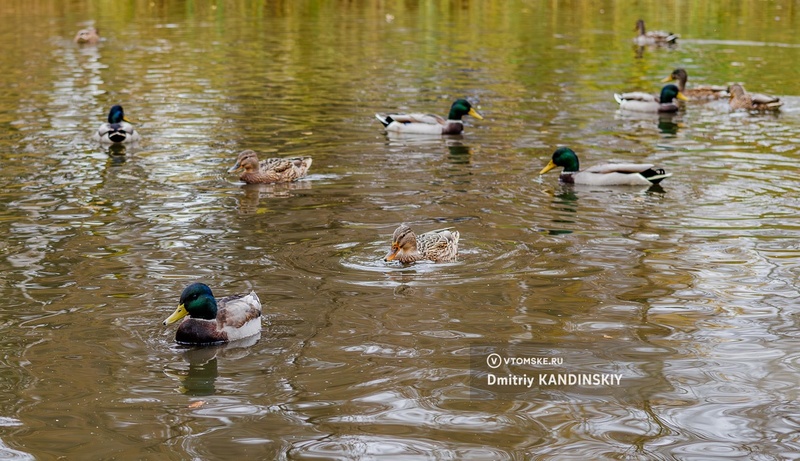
(411, 256)
(571, 165)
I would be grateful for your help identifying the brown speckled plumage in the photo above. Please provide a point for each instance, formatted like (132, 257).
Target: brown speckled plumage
(741, 99)
(271, 170)
(437, 246)
(705, 92)
(654, 37)
(88, 36)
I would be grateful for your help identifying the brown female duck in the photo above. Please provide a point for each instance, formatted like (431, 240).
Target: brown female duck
(741, 99)
(437, 246)
(87, 36)
(704, 92)
(271, 170)
(654, 37)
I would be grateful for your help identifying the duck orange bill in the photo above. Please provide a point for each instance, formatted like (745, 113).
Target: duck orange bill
(475, 113)
(179, 313)
(392, 254)
(549, 167)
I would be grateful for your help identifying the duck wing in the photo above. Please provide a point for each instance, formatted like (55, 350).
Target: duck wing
(236, 310)
(607, 168)
(428, 119)
(439, 245)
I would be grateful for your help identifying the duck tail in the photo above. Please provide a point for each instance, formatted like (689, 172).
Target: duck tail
(384, 119)
(659, 176)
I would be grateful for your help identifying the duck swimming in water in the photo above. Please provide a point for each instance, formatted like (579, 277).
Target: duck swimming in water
(609, 174)
(118, 130)
(429, 123)
(215, 320)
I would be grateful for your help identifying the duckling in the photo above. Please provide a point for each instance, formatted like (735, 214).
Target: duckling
(212, 320)
(430, 123)
(271, 170)
(609, 174)
(117, 130)
(740, 99)
(638, 101)
(437, 246)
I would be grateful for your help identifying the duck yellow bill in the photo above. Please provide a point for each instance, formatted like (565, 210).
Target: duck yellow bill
(667, 79)
(235, 167)
(179, 313)
(475, 113)
(682, 96)
(549, 167)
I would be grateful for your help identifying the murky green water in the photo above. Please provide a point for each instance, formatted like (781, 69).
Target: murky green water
(688, 291)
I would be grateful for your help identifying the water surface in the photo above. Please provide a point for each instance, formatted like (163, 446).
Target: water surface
(687, 290)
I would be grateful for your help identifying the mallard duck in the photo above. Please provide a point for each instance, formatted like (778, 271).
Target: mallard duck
(117, 130)
(697, 92)
(214, 321)
(740, 99)
(654, 37)
(429, 123)
(610, 174)
(437, 246)
(87, 36)
(270, 170)
(638, 101)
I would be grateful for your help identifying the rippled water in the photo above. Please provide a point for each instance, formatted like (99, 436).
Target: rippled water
(685, 290)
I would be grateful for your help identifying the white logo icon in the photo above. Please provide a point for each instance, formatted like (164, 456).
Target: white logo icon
(494, 360)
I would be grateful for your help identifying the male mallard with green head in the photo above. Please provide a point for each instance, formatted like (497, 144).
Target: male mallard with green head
(609, 174)
(118, 130)
(638, 101)
(430, 123)
(271, 170)
(437, 246)
(214, 321)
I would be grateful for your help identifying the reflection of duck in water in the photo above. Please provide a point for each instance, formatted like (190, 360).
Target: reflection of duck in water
(203, 373)
(201, 377)
(639, 101)
(117, 130)
(248, 202)
(740, 99)
(271, 170)
(654, 37)
(215, 321)
(430, 123)
(437, 246)
(610, 174)
(87, 36)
